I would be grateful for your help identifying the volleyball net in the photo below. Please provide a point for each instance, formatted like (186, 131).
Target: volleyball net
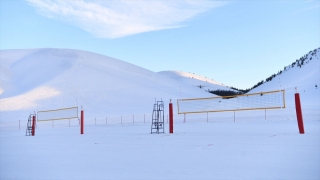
(58, 114)
(254, 101)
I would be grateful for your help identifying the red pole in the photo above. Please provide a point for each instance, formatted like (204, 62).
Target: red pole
(170, 118)
(33, 125)
(299, 113)
(82, 123)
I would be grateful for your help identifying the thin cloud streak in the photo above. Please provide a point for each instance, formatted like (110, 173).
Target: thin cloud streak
(119, 18)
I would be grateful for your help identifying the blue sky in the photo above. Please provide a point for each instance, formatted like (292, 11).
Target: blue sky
(238, 43)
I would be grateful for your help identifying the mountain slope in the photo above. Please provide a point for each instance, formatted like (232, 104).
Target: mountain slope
(302, 76)
(41, 79)
(55, 78)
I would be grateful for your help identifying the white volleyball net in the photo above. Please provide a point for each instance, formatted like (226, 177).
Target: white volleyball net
(58, 114)
(255, 101)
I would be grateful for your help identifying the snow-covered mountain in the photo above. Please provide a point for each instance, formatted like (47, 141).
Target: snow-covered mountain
(41, 79)
(301, 76)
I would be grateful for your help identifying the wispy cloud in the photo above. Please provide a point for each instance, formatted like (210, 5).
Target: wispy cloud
(308, 1)
(118, 18)
(309, 5)
(316, 6)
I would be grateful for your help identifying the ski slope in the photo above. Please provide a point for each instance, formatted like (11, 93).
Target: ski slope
(117, 97)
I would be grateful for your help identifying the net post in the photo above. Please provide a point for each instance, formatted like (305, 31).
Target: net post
(33, 125)
(265, 114)
(38, 118)
(82, 122)
(299, 113)
(207, 117)
(170, 118)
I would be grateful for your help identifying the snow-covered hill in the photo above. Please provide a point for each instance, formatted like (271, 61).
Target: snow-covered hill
(302, 76)
(41, 79)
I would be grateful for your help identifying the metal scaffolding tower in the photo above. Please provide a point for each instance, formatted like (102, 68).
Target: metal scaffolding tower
(157, 125)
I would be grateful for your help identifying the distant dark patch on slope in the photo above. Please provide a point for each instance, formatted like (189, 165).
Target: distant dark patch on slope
(224, 92)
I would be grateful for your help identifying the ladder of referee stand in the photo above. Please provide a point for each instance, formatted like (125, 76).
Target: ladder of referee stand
(29, 125)
(157, 125)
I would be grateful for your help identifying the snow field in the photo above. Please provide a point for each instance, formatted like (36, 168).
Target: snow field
(289, 113)
(197, 150)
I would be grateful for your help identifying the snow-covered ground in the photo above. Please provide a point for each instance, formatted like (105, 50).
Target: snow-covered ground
(118, 99)
(214, 150)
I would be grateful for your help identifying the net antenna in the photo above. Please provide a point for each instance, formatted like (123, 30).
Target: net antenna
(58, 114)
(157, 125)
(254, 101)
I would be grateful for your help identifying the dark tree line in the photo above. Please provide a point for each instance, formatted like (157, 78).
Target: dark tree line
(224, 92)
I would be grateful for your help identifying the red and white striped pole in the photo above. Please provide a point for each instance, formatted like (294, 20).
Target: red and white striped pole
(170, 118)
(299, 112)
(82, 122)
(33, 125)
